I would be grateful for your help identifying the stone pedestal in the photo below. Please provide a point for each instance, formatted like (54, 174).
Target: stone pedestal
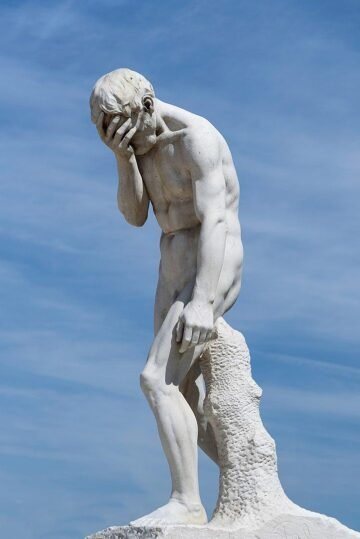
(251, 503)
(284, 527)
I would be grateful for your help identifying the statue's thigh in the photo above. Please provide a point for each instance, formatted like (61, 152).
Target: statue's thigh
(164, 361)
(164, 299)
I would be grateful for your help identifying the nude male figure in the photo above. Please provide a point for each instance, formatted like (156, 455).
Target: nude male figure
(180, 163)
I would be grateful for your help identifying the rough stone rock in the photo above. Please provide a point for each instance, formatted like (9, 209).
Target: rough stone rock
(250, 492)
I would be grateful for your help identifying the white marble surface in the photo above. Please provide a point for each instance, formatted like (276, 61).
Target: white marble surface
(283, 527)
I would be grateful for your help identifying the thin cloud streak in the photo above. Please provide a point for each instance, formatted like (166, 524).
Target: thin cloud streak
(342, 404)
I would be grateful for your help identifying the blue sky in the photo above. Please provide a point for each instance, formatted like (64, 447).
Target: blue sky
(281, 81)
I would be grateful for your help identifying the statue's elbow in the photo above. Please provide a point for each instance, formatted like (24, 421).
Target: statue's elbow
(133, 218)
(137, 221)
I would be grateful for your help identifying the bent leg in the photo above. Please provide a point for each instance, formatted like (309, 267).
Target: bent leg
(193, 386)
(194, 391)
(165, 369)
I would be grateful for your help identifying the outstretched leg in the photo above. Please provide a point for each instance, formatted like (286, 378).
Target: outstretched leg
(165, 369)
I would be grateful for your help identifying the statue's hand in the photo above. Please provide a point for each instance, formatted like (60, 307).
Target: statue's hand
(117, 135)
(195, 325)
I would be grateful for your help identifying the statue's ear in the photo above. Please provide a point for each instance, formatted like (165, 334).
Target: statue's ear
(148, 103)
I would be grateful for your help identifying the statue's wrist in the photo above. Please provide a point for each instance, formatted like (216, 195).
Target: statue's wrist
(124, 158)
(200, 297)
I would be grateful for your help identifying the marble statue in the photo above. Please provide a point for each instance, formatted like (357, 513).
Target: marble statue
(197, 378)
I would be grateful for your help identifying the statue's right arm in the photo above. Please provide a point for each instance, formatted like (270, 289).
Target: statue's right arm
(132, 197)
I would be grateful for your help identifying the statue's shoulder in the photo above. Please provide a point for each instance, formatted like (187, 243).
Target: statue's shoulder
(202, 141)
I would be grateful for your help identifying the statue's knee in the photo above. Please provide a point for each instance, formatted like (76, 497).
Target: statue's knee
(150, 382)
(153, 384)
(147, 382)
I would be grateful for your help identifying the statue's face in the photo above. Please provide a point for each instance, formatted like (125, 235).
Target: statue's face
(145, 121)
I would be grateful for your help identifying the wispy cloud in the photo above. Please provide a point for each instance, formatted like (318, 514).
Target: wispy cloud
(341, 404)
(337, 369)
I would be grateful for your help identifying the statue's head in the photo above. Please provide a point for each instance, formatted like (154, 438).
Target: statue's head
(127, 94)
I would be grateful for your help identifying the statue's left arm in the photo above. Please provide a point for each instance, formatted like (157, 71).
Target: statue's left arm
(197, 320)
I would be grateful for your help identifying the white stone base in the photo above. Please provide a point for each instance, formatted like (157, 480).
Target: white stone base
(282, 527)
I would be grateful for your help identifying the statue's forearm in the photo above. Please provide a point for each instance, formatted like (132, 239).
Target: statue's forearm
(133, 201)
(210, 258)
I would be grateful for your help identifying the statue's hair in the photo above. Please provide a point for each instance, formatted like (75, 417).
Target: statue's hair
(120, 91)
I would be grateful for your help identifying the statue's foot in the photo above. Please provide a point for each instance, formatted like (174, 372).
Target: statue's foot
(173, 513)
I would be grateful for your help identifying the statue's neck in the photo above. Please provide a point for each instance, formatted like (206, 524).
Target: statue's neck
(170, 117)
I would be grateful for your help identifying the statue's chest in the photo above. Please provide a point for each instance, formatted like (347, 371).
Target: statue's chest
(166, 177)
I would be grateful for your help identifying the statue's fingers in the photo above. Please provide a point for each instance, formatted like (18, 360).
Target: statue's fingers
(195, 336)
(202, 336)
(208, 335)
(112, 127)
(186, 340)
(214, 334)
(179, 330)
(211, 335)
(129, 135)
(119, 135)
(139, 118)
(100, 125)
